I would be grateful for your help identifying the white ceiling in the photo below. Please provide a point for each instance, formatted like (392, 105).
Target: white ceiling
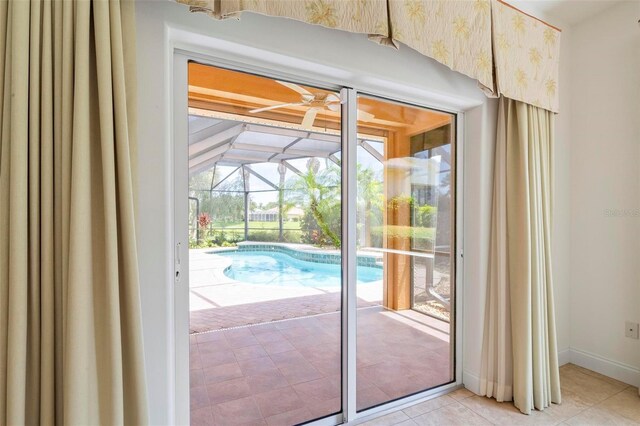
(559, 12)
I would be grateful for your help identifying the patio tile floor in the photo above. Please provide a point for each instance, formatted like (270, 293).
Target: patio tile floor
(287, 372)
(266, 311)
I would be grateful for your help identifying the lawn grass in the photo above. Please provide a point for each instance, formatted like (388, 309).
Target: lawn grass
(401, 231)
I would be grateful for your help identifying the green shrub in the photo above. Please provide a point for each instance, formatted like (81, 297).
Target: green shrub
(426, 216)
(193, 243)
(291, 237)
(235, 237)
(263, 236)
(400, 201)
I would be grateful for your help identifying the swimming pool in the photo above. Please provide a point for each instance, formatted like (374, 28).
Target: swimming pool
(279, 269)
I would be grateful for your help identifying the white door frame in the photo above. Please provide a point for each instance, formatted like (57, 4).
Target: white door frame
(222, 53)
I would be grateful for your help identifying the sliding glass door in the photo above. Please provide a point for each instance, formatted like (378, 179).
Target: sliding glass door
(265, 249)
(321, 249)
(405, 218)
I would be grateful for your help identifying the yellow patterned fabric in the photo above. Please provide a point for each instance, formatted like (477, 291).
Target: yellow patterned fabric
(522, 62)
(356, 16)
(526, 56)
(454, 33)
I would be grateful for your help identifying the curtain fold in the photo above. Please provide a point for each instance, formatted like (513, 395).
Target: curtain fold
(70, 325)
(519, 356)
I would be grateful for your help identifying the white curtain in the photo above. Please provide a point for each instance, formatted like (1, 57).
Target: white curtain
(519, 356)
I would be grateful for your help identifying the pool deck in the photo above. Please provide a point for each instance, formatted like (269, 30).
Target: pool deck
(246, 303)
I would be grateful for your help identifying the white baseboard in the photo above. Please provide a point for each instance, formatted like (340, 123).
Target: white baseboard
(608, 367)
(564, 357)
(471, 381)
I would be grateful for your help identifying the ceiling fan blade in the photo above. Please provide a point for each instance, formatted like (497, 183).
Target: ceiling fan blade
(332, 98)
(295, 87)
(332, 102)
(309, 118)
(365, 116)
(253, 111)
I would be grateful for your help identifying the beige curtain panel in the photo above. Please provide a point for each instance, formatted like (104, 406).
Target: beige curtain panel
(70, 328)
(527, 57)
(519, 357)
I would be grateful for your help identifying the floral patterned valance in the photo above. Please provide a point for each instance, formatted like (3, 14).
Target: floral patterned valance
(526, 57)
(454, 33)
(509, 52)
(356, 16)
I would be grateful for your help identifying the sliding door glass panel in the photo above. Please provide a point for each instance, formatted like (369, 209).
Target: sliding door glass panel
(265, 258)
(405, 240)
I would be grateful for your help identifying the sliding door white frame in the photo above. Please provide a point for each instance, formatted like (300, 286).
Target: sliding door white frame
(242, 58)
(348, 157)
(180, 199)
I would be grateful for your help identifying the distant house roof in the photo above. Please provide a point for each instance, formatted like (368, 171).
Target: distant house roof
(273, 210)
(295, 211)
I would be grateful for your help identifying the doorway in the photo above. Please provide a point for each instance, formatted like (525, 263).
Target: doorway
(321, 234)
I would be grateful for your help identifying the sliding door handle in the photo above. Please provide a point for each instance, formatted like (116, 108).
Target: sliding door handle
(178, 264)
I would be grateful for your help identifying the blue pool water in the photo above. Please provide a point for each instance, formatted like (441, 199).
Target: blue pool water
(279, 269)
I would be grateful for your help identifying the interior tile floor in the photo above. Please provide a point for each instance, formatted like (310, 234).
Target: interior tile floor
(588, 398)
(287, 372)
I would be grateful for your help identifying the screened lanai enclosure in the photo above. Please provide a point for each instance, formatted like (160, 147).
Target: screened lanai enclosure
(252, 182)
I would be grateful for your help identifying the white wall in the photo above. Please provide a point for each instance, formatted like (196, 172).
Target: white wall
(560, 247)
(605, 175)
(362, 62)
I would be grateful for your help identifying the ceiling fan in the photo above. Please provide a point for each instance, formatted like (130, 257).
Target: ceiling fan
(316, 102)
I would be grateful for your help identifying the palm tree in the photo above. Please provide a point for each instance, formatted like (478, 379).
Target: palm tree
(519, 27)
(318, 190)
(536, 58)
(321, 12)
(549, 40)
(415, 12)
(369, 198)
(483, 8)
(551, 90)
(521, 80)
(440, 51)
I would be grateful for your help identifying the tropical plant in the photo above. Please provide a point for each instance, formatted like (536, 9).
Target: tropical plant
(426, 216)
(318, 191)
(203, 223)
(399, 201)
(370, 200)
